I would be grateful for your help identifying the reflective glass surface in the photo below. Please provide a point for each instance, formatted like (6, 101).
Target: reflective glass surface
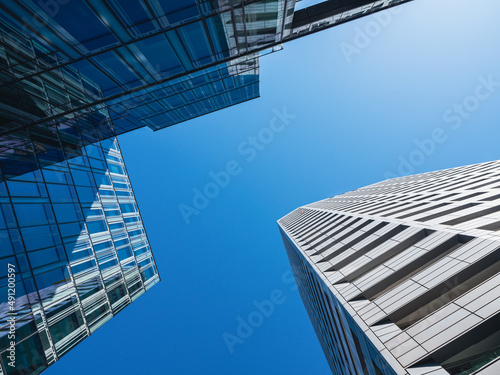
(168, 61)
(73, 234)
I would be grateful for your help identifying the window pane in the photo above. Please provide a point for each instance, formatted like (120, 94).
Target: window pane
(31, 214)
(39, 237)
(97, 226)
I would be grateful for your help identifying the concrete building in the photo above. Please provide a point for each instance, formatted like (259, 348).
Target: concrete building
(403, 276)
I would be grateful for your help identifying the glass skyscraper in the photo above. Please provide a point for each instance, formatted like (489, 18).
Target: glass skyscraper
(158, 62)
(75, 238)
(403, 276)
(73, 248)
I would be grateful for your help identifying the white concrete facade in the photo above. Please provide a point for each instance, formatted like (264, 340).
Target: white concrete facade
(415, 261)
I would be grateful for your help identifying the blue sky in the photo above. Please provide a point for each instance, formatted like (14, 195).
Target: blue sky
(416, 89)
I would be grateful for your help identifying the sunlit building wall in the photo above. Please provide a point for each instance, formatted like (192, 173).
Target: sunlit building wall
(403, 276)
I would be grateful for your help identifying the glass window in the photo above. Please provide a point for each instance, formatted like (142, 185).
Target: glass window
(60, 193)
(103, 246)
(117, 293)
(127, 207)
(179, 11)
(9, 217)
(71, 229)
(86, 194)
(116, 226)
(134, 287)
(97, 313)
(132, 219)
(127, 266)
(113, 64)
(141, 250)
(173, 101)
(109, 144)
(77, 250)
(67, 212)
(29, 355)
(3, 190)
(118, 169)
(83, 266)
(29, 176)
(108, 263)
(5, 243)
(147, 274)
(66, 326)
(97, 226)
(135, 233)
(16, 240)
(97, 164)
(94, 151)
(82, 177)
(3, 224)
(52, 278)
(106, 193)
(123, 193)
(102, 179)
(93, 213)
(121, 242)
(39, 237)
(55, 176)
(124, 253)
(160, 54)
(112, 213)
(65, 17)
(23, 189)
(196, 41)
(33, 214)
(80, 160)
(46, 256)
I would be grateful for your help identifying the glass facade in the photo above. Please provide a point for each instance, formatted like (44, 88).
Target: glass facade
(157, 63)
(25, 147)
(328, 14)
(187, 97)
(59, 95)
(75, 238)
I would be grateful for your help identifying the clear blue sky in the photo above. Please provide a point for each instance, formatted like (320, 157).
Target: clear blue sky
(355, 122)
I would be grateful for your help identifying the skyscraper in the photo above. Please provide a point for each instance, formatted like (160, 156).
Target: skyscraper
(158, 62)
(74, 253)
(73, 248)
(403, 276)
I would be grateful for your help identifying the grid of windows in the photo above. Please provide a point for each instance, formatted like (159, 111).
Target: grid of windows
(74, 233)
(59, 93)
(158, 63)
(171, 62)
(415, 261)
